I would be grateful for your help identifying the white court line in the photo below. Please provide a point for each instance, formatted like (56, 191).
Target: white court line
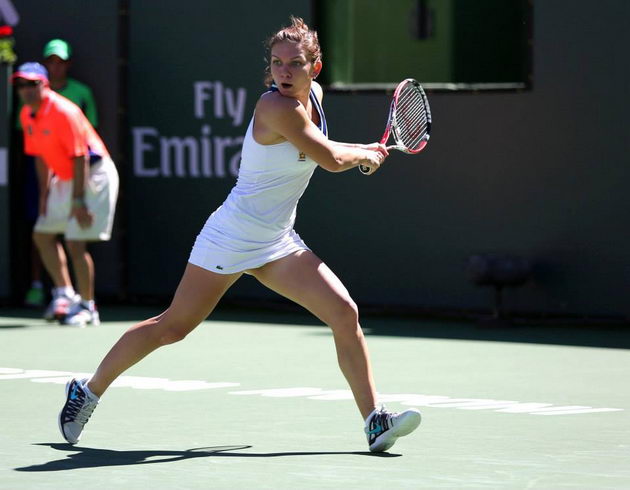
(409, 399)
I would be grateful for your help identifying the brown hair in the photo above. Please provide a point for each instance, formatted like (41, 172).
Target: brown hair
(298, 32)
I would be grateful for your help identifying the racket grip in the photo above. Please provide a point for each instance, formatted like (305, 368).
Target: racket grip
(365, 170)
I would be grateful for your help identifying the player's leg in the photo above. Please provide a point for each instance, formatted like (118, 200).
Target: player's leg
(197, 294)
(305, 279)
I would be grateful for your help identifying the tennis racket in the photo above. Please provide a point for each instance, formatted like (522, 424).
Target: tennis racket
(409, 120)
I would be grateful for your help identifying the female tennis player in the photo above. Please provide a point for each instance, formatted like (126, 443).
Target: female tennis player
(252, 233)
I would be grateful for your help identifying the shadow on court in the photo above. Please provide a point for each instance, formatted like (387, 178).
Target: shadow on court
(84, 457)
(21, 318)
(617, 337)
(556, 331)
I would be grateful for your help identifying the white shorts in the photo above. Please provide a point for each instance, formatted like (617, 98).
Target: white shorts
(100, 197)
(213, 256)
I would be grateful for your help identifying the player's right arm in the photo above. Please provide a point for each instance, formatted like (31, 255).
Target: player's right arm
(287, 118)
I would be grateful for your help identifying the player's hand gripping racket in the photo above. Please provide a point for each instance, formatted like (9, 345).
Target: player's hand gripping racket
(409, 120)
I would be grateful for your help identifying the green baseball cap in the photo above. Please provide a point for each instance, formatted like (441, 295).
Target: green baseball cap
(58, 47)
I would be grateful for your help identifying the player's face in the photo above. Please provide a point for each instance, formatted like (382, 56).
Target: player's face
(291, 69)
(30, 91)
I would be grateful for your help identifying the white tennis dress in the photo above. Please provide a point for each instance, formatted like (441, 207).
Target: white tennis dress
(254, 225)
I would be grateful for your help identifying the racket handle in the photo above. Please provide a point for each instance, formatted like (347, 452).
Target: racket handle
(365, 170)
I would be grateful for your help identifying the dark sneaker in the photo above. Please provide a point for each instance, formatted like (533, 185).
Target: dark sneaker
(383, 428)
(77, 411)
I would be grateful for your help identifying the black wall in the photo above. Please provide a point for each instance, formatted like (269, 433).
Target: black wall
(541, 173)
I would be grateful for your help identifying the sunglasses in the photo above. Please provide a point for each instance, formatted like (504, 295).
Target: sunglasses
(26, 84)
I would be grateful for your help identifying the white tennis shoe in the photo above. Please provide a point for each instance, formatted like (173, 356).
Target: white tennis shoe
(383, 428)
(77, 410)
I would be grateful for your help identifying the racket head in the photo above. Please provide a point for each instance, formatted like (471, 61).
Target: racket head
(410, 117)
(409, 120)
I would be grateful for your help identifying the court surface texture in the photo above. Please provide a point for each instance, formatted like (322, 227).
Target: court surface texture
(254, 399)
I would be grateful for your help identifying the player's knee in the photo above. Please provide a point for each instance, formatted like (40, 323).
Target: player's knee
(169, 333)
(345, 316)
(172, 335)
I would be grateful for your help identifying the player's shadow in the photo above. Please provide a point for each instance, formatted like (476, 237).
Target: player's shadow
(85, 457)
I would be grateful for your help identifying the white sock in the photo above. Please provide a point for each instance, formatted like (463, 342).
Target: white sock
(64, 291)
(89, 304)
(89, 393)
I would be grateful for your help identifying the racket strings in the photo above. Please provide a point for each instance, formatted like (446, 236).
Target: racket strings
(411, 117)
(412, 120)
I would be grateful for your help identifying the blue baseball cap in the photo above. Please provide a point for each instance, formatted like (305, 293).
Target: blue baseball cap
(31, 71)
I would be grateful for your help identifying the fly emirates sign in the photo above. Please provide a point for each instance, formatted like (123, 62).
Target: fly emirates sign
(204, 155)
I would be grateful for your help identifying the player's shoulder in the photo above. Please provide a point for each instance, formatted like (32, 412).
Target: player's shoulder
(274, 103)
(319, 91)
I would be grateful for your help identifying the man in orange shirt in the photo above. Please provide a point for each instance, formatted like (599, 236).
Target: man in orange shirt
(78, 190)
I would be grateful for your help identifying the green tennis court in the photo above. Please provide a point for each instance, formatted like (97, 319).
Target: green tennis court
(255, 400)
